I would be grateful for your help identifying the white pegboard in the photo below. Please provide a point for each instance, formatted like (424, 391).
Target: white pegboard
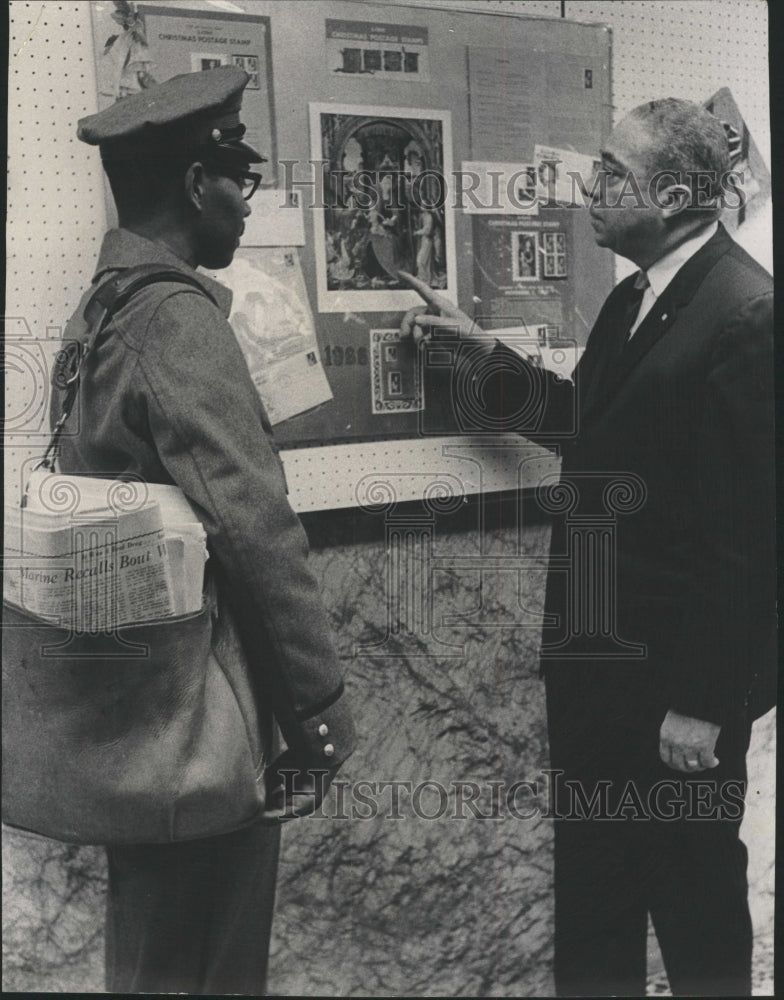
(663, 48)
(354, 475)
(56, 213)
(56, 199)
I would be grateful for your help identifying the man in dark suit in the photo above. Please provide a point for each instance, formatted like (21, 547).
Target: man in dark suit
(658, 634)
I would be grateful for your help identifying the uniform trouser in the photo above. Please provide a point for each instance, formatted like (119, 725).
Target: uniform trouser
(654, 840)
(192, 917)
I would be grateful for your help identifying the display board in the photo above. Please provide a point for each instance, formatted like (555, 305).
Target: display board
(400, 138)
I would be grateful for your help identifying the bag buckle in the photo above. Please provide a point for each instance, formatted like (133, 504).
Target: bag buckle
(66, 365)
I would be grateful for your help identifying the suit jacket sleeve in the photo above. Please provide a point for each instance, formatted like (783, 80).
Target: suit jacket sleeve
(730, 608)
(212, 435)
(524, 398)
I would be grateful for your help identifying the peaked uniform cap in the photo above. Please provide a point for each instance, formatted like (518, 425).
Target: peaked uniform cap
(199, 111)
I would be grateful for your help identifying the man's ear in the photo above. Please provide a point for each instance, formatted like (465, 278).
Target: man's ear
(194, 185)
(674, 199)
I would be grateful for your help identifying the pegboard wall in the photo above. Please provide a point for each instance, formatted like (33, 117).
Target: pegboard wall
(56, 214)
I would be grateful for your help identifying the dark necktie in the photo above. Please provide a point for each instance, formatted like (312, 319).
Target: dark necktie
(620, 336)
(634, 302)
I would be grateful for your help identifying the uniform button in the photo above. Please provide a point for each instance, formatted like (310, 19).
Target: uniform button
(328, 750)
(323, 730)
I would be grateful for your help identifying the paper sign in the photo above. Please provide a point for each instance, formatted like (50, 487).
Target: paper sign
(484, 188)
(273, 322)
(367, 50)
(562, 175)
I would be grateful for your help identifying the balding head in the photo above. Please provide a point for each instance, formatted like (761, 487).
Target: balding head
(688, 140)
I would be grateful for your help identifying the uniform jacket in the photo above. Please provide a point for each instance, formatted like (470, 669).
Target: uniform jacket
(683, 422)
(167, 396)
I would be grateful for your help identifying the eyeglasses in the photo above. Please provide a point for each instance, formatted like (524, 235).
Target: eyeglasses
(248, 182)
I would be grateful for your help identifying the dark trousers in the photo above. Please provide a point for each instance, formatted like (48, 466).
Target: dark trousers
(633, 837)
(192, 917)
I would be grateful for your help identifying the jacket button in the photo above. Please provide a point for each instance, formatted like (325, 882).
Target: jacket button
(323, 730)
(328, 750)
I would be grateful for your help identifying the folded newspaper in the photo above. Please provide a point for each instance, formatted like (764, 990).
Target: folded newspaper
(92, 554)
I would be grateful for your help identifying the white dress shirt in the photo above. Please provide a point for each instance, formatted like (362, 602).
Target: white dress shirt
(661, 273)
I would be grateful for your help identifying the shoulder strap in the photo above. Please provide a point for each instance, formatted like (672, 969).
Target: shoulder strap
(104, 301)
(115, 293)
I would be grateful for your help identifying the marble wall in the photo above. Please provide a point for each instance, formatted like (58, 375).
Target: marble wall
(422, 887)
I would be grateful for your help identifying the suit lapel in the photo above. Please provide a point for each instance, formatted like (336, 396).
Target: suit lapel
(605, 378)
(594, 368)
